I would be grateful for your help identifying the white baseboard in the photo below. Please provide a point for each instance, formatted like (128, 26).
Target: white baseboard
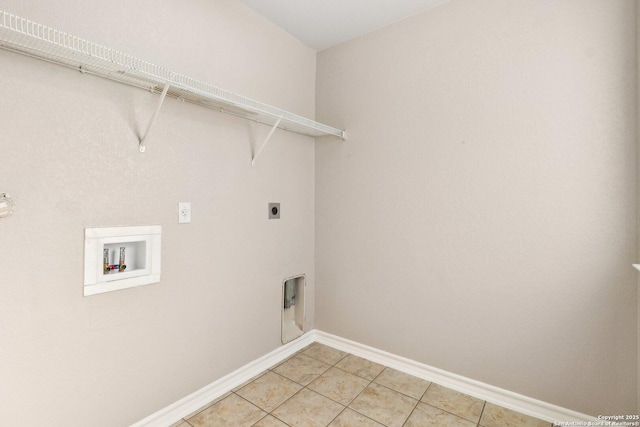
(517, 402)
(187, 405)
(508, 399)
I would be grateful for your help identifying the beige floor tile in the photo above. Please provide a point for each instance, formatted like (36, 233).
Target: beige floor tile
(374, 396)
(302, 369)
(269, 391)
(339, 385)
(270, 421)
(497, 416)
(325, 353)
(425, 415)
(349, 418)
(249, 381)
(308, 409)
(457, 403)
(384, 405)
(302, 350)
(230, 411)
(361, 367)
(404, 383)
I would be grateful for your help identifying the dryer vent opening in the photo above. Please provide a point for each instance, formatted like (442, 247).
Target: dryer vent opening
(292, 308)
(289, 293)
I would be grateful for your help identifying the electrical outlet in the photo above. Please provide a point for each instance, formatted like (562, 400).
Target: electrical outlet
(184, 212)
(274, 210)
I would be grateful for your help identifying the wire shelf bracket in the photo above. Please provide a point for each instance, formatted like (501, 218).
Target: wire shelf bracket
(141, 145)
(39, 41)
(265, 142)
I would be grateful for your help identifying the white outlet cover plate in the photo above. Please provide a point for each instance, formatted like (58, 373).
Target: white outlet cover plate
(184, 212)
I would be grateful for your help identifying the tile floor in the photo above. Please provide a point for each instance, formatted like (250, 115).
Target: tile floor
(321, 386)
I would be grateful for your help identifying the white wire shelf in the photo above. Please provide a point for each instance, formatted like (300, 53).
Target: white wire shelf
(42, 42)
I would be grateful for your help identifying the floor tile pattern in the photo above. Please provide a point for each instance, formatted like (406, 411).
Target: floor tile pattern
(324, 387)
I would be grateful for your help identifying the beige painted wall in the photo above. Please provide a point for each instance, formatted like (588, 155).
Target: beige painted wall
(69, 158)
(481, 218)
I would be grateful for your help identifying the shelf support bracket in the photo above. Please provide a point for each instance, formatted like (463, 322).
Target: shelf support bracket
(266, 141)
(141, 145)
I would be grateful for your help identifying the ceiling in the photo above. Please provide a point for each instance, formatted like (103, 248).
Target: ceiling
(320, 24)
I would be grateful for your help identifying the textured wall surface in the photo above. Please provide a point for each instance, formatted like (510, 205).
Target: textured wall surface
(481, 218)
(70, 160)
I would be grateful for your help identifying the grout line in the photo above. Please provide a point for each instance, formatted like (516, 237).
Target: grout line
(359, 352)
(286, 378)
(358, 395)
(371, 381)
(455, 415)
(379, 373)
(339, 403)
(351, 373)
(357, 375)
(320, 360)
(411, 413)
(417, 403)
(484, 405)
(484, 402)
(425, 391)
(339, 413)
(270, 414)
(344, 406)
(397, 391)
(366, 416)
(206, 406)
(250, 402)
(266, 415)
